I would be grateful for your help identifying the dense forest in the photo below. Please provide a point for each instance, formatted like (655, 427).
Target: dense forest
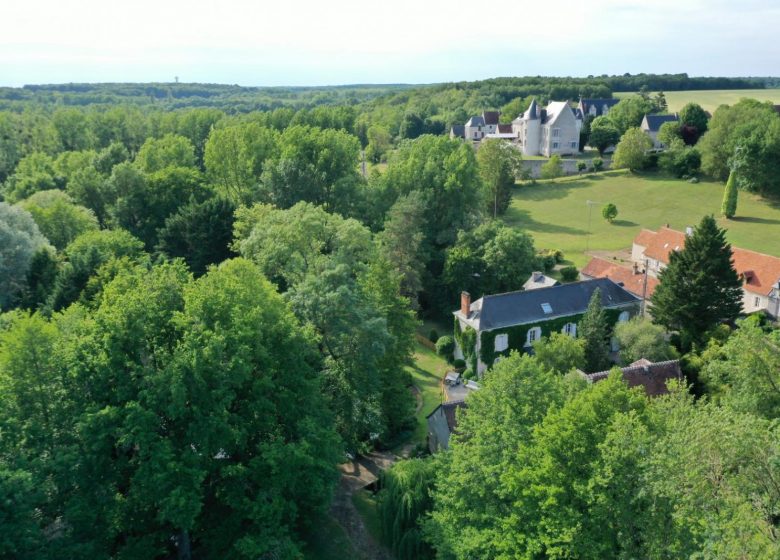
(205, 306)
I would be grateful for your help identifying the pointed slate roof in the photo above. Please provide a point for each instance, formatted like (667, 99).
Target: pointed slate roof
(476, 121)
(532, 113)
(654, 122)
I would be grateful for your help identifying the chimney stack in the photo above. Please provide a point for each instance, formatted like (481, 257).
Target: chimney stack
(636, 268)
(465, 303)
(536, 276)
(688, 231)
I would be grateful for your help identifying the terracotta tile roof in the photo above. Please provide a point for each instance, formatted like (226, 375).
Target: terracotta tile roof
(644, 238)
(759, 271)
(665, 241)
(505, 128)
(651, 376)
(621, 275)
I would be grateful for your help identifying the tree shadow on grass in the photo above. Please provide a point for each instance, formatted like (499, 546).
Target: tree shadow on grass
(624, 223)
(549, 190)
(517, 217)
(754, 220)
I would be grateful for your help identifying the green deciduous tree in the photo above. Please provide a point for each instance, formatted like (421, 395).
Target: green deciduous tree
(552, 168)
(313, 165)
(35, 172)
(560, 352)
(603, 134)
(679, 160)
(632, 150)
(200, 233)
(171, 150)
(403, 242)
(754, 125)
(574, 494)
(609, 212)
(58, 218)
(629, 112)
(669, 132)
(693, 122)
(404, 502)
(331, 273)
(492, 258)
(83, 257)
(594, 331)
(186, 418)
(144, 201)
(472, 501)
(639, 338)
(20, 238)
(499, 162)
(744, 373)
(700, 287)
(235, 157)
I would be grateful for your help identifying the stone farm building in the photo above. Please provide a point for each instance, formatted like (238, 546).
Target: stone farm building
(489, 328)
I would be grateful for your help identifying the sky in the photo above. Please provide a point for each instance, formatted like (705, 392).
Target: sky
(308, 42)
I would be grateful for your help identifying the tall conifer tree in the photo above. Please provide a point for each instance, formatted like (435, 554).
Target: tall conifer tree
(594, 331)
(729, 206)
(700, 287)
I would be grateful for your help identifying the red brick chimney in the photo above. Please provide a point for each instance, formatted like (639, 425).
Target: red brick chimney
(465, 303)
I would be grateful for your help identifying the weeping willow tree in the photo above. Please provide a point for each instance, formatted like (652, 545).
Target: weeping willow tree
(404, 500)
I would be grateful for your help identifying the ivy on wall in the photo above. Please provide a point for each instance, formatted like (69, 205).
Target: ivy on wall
(518, 334)
(467, 341)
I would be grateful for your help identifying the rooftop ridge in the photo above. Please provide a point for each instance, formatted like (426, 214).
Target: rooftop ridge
(628, 369)
(540, 290)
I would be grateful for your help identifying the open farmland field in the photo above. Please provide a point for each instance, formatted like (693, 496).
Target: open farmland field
(712, 98)
(556, 213)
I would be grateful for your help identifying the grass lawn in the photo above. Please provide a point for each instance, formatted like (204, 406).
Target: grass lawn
(427, 372)
(328, 541)
(366, 504)
(712, 98)
(556, 213)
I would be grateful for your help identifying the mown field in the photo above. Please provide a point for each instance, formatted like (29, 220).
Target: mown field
(556, 213)
(712, 98)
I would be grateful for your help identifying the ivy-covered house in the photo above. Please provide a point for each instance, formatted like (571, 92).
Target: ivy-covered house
(494, 325)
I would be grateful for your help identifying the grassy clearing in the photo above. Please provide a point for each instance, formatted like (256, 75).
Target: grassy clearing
(328, 541)
(427, 372)
(366, 504)
(712, 98)
(556, 213)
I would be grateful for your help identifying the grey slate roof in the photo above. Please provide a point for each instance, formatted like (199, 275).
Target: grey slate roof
(450, 412)
(532, 112)
(490, 117)
(654, 122)
(517, 308)
(585, 104)
(458, 130)
(476, 121)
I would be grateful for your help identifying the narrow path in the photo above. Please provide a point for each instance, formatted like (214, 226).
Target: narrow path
(355, 476)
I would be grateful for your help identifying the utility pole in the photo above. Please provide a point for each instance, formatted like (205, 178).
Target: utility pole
(644, 293)
(590, 204)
